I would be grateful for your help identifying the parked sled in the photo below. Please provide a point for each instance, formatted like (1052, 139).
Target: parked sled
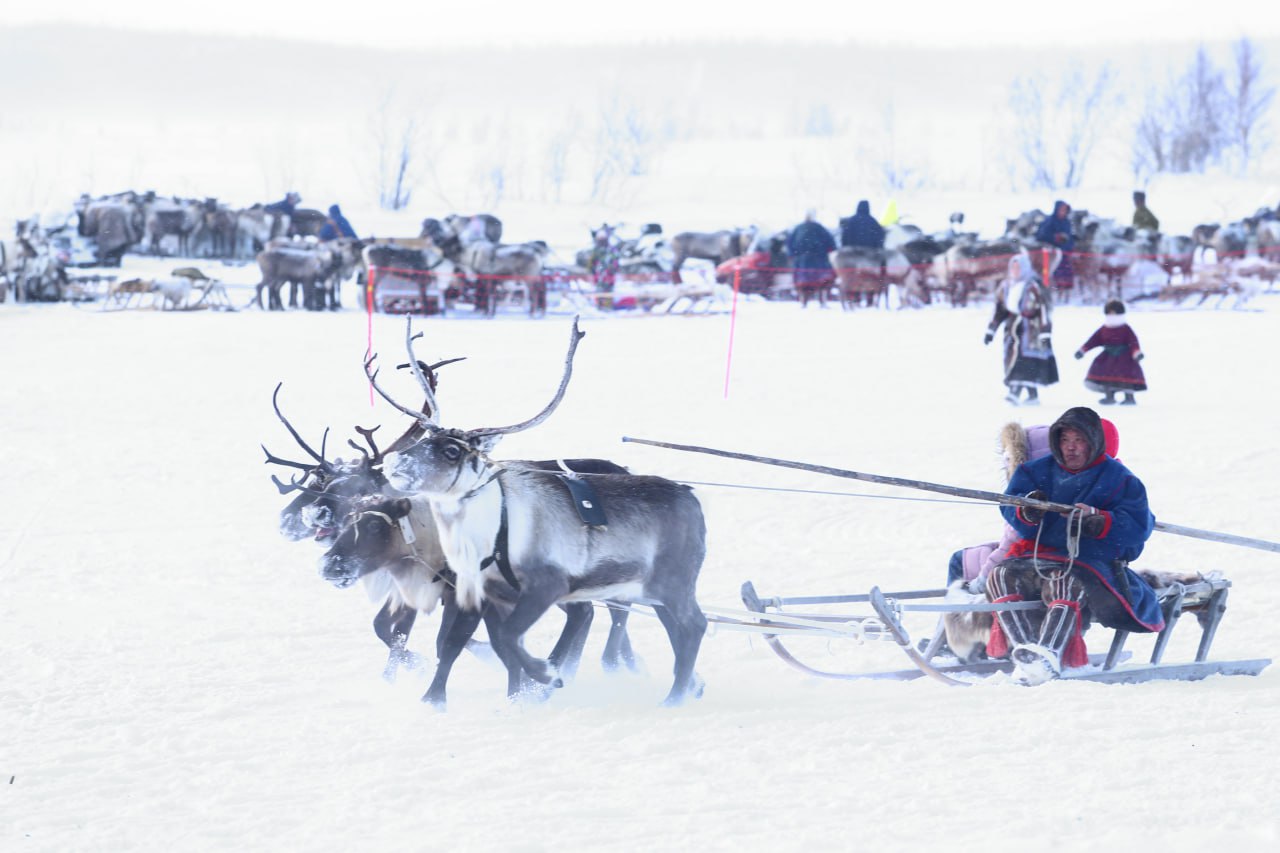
(796, 616)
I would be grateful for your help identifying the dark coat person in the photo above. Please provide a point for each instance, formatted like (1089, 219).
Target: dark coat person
(1142, 215)
(862, 230)
(286, 205)
(1056, 230)
(337, 225)
(1076, 562)
(1022, 307)
(1120, 599)
(810, 245)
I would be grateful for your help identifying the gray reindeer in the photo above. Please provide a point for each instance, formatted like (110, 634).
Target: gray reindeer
(503, 527)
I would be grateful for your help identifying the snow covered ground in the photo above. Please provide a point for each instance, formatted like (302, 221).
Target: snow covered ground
(174, 675)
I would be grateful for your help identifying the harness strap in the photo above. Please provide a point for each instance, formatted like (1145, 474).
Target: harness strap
(499, 555)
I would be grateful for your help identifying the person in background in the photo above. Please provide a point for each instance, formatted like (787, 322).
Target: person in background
(810, 245)
(336, 225)
(1022, 308)
(1116, 369)
(862, 231)
(286, 205)
(1142, 215)
(1076, 562)
(1056, 232)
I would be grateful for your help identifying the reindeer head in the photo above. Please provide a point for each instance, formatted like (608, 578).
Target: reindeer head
(454, 462)
(326, 489)
(372, 536)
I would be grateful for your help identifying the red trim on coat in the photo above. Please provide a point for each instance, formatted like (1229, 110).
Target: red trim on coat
(1106, 528)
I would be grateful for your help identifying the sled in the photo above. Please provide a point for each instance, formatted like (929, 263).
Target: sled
(882, 618)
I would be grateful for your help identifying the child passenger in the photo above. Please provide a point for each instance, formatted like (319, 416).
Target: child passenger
(1116, 369)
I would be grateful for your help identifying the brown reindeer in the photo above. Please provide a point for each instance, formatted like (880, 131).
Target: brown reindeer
(714, 246)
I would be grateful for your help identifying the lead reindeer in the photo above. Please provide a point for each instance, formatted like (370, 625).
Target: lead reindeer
(525, 523)
(376, 537)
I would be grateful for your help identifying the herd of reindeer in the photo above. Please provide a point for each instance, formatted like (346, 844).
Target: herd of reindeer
(433, 520)
(463, 259)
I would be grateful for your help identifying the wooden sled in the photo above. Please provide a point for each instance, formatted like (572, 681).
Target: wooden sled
(1206, 598)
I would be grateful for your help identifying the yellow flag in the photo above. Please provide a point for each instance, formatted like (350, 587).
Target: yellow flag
(890, 215)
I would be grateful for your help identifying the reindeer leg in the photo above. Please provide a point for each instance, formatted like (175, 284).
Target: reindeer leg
(392, 625)
(568, 649)
(685, 626)
(617, 651)
(460, 629)
(540, 590)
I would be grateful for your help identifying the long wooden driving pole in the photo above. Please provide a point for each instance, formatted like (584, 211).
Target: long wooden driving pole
(957, 491)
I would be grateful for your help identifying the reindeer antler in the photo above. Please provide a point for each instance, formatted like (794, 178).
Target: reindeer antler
(373, 380)
(296, 485)
(319, 457)
(368, 436)
(574, 336)
(429, 416)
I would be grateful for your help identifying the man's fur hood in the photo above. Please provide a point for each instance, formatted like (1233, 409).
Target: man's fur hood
(1085, 421)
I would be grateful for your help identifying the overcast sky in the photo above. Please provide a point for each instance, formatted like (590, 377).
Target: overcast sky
(396, 23)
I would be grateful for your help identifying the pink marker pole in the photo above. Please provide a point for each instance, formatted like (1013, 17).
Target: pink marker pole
(368, 308)
(733, 320)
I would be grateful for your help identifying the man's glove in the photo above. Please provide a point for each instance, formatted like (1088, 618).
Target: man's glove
(1079, 354)
(986, 339)
(1031, 515)
(1091, 526)
(1138, 357)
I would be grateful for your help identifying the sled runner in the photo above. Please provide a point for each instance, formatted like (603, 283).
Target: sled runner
(796, 616)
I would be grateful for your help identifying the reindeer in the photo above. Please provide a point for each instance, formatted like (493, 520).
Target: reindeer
(714, 246)
(970, 265)
(524, 523)
(341, 505)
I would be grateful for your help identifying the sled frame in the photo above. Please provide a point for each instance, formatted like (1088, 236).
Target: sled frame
(1205, 598)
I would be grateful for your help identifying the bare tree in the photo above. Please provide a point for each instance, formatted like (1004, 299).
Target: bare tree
(1249, 99)
(1026, 97)
(1151, 141)
(557, 162)
(623, 147)
(1058, 127)
(1198, 108)
(395, 138)
(1203, 118)
(894, 170)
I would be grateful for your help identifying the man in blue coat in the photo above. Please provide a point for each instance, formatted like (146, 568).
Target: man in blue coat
(810, 245)
(862, 231)
(1056, 232)
(336, 226)
(286, 205)
(1072, 560)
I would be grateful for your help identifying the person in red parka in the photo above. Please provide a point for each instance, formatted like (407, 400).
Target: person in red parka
(1116, 369)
